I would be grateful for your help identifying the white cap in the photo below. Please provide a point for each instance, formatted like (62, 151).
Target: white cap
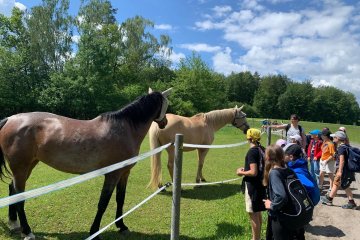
(297, 137)
(339, 134)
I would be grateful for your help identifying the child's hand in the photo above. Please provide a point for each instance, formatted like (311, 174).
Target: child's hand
(267, 203)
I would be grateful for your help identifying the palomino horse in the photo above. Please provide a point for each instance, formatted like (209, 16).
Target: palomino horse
(78, 146)
(198, 129)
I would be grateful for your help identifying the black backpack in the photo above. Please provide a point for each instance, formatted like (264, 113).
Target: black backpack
(298, 210)
(353, 162)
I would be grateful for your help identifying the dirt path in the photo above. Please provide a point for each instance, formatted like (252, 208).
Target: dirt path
(333, 222)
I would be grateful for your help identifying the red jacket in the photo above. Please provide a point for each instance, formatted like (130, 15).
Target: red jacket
(317, 150)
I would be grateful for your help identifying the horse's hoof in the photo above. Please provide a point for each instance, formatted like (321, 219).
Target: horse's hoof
(124, 233)
(14, 226)
(30, 236)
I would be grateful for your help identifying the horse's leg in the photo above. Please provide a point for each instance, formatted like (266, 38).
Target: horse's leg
(201, 155)
(120, 199)
(19, 184)
(13, 223)
(111, 179)
(170, 164)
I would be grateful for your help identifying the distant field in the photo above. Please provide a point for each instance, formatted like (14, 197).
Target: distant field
(210, 212)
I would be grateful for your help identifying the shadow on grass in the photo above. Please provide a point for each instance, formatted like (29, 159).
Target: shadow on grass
(208, 192)
(224, 231)
(327, 231)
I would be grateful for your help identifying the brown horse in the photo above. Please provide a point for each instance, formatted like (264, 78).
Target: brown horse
(198, 129)
(78, 146)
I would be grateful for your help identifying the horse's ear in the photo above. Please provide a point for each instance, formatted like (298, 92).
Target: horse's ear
(150, 90)
(236, 106)
(241, 107)
(166, 92)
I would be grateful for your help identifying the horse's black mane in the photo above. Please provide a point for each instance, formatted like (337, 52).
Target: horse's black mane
(138, 111)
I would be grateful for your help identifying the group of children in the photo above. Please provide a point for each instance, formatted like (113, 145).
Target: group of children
(264, 183)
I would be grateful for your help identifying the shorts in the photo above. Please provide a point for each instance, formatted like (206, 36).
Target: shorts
(337, 181)
(328, 167)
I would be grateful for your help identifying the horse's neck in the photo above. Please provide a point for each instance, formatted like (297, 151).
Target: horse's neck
(219, 118)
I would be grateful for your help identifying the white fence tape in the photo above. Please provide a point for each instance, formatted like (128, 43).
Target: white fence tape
(128, 212)
(78, 179)
(209, 183)
(214, 146)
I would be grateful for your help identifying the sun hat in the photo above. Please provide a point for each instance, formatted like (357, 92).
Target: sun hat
(254, 134)
(315, 132)
(280, 142)
(297, 137)
(339, 134)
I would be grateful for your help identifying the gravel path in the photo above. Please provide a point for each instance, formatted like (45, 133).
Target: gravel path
(333, 222)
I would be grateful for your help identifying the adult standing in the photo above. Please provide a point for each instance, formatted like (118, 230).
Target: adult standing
(255, 192)
(292, 129)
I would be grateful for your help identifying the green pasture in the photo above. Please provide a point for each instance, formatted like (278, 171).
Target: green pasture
(208, 212)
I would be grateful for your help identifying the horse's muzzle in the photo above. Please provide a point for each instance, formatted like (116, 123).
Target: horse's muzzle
(162, 124)
(246, 128)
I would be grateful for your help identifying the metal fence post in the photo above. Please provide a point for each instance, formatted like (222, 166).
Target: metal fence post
(268, 132)
(175, 213)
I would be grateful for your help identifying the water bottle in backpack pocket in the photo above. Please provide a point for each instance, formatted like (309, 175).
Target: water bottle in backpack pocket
(298, 210)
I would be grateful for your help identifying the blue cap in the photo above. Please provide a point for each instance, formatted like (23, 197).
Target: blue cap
(315, 132)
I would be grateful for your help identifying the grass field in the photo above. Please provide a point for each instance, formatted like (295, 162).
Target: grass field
(209, 212)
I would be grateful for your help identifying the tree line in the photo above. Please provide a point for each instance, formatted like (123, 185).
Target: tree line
(80, 66)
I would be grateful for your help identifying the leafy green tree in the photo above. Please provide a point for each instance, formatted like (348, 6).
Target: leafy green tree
(241, 87)
(266, 98)
(296, 99)
(198, 89)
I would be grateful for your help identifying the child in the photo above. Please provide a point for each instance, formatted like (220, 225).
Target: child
(274, 159)
(255, 192)
(343, 177)
(314, 154)
(327, 162)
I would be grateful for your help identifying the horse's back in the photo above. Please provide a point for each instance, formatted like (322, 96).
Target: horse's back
(193, 128)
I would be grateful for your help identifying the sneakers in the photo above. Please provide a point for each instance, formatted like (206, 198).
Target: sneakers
(349, 205)
(325, 200)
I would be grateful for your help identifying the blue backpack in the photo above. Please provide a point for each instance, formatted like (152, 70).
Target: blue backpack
(353, 159)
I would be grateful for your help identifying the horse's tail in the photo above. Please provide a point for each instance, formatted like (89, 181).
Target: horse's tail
(4, 172)
(156, 177)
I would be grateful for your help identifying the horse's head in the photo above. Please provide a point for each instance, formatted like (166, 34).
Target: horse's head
(240, 120)
(161, 120)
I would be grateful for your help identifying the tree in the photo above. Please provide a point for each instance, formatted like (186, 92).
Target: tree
(241, 87)
(266, 98)
(296, 99)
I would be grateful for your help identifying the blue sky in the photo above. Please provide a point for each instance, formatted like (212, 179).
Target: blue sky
(316, 40)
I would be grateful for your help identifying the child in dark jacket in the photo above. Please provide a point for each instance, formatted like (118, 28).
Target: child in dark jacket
(295, 162)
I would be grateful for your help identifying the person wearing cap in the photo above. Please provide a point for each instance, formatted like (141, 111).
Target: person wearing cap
(314, 154)
(281, 142)
(343, 129)
(327, 161)
(294, 161)
(343, 177)
(252, 172)
(292, 129)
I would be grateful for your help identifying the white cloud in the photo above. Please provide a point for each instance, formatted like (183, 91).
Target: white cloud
(224, 64)
(221, 11)
(6, 6)
(75, 38)
(318, 42)
(176, 57)
(163, 27)
(201, 47)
